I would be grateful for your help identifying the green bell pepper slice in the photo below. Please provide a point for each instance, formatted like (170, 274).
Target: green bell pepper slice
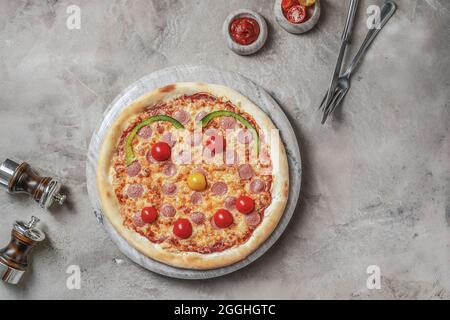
(129, 153)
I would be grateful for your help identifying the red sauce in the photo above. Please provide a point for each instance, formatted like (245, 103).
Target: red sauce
(200, 95)
(244, 30)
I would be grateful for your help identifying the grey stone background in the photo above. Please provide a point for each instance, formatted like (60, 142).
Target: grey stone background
(376, 186)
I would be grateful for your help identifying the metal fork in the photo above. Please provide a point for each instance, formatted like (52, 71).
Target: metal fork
(343, 83)
(345, 40)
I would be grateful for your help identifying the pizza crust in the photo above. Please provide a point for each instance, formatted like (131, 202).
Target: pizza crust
(191, 260)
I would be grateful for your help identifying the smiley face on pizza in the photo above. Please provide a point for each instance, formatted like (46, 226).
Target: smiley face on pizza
(193, 175)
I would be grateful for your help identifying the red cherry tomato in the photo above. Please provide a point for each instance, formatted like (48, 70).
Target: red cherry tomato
(245, 204)
(287, 4)
(149, 214)
(296, 14)
(161, 151)
(223, 218)
(182, 228)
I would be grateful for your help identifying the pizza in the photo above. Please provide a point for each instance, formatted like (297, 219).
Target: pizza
(193, 175)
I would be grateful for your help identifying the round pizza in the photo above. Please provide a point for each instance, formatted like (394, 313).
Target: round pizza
(193, 175)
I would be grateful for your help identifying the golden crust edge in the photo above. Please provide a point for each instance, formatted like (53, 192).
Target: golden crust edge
(190, 260)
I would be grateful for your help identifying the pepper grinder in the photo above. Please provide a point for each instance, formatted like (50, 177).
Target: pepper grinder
(21, 178)
(14, 257)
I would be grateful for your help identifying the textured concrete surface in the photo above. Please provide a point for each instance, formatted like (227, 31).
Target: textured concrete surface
(376, 187)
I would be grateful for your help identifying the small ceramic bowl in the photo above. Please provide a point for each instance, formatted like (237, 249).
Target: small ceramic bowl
(301, 27)
(245, 49)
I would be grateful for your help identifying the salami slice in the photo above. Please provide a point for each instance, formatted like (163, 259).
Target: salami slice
(230, 203)
(145, 132)
(244, 136)
(169, 188)
(219, 188)
(196, 198)
(253, 219)
(137, 220)
(182, 116)
(167, 210)
(170, 169)
(197, 217)
(211, 132)
(169, 139)
(150, 158)
(246, 171)
(135, 190)
(257, 185)
(133, 169)
(227, 123)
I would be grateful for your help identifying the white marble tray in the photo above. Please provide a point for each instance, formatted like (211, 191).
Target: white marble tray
(209, 75)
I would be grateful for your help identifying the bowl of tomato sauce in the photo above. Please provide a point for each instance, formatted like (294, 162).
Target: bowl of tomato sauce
(245, 31)
(297, 16)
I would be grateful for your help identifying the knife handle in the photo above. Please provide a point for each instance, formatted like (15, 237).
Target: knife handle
(349, 21)
(387, 11)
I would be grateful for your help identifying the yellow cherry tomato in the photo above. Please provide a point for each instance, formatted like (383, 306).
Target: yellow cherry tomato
(307, 3)
(196, 181)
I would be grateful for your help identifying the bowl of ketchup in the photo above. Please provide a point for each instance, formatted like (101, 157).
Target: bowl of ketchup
(297, 16)
(245, 31)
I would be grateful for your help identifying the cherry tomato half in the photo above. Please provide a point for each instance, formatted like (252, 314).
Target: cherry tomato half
(296, 14)
(182, 228)
(287, 4)
(161, 151)
(149, 214)
(223, 218)
(245, 204)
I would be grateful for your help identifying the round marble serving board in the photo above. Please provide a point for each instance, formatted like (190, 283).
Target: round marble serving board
(189, 73)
